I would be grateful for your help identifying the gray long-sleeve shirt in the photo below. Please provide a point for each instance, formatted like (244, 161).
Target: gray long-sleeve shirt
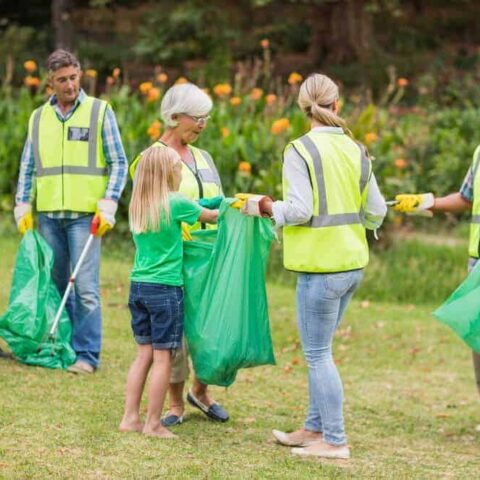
(297, 208)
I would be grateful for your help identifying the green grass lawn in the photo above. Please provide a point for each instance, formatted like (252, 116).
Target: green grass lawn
(411, 405)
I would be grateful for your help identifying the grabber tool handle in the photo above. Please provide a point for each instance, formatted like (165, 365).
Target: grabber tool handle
(73, 276)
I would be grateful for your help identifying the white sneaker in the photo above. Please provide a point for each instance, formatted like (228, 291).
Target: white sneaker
(477, 429)
(324, 450)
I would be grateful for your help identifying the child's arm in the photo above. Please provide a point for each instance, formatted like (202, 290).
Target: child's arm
(208, 216)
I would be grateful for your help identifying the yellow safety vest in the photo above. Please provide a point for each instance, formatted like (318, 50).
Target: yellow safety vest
(334, 239)
(201, 182)
(70, 168)
(474, 245)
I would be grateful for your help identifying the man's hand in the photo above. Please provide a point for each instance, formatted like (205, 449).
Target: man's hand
(414, 203)
(23, 217)
(105, 216)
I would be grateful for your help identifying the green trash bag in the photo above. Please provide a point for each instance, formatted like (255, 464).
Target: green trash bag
(461, 311)
(33, 303)
(226, 312)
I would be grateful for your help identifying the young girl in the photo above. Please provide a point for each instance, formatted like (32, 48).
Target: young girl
(156, 296)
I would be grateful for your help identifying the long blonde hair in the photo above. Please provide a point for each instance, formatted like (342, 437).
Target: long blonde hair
(154, 180)
(317, 95)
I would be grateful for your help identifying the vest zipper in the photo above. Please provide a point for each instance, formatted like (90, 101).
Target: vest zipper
(199, 182)
(63, 151)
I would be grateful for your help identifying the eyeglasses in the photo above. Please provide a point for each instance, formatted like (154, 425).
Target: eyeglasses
(200, 120)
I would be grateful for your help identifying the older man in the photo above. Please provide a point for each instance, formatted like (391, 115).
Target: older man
(74, 156)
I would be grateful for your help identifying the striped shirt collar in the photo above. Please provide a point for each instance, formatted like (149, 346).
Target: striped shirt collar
(64, 117)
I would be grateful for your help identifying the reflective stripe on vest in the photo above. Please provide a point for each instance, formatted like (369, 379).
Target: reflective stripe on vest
(324, 219)
(474, 242)
(334, 238)
(91, 169)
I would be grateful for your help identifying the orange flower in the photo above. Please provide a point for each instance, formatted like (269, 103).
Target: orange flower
(154, 129)
(181, 80)
(245, 169)
(91, 73)
(279, 126)
(402, 82)
(294, 78)
(271, 98)
(256, 94)
(30, 66)
(222, 89)
(265, 43)
(153, 94)
(162, 78)
(371, 137)
(110, 80)
(225, 132)
(145, 87)
(116, 72)
(400, 163)
(235, 101)
(32, 82)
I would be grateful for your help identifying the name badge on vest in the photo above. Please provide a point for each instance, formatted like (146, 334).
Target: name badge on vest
(78, 134)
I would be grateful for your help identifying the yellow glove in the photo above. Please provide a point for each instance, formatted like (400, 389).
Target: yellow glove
(414, 203)
(241, 200)
(23, 217)
(105, 216)
(186, 232)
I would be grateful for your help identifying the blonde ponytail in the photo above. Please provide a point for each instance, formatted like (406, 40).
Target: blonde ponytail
(154, 180)
(316, 98)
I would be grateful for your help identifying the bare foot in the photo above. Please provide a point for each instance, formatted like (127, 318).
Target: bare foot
(130, 426)
(158, 431)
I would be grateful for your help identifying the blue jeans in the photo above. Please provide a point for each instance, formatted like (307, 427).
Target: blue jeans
(67, 237)
(321, 301)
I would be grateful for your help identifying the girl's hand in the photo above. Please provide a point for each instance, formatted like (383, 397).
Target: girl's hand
(208, 216)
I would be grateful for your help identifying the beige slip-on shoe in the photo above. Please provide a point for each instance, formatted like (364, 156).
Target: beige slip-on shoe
(81, 367)
(299, 438)
(323, 450)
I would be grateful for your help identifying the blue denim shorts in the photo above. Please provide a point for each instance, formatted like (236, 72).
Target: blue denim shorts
(157, 315)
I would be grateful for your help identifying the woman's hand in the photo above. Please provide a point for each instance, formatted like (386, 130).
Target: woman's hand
(254, 205)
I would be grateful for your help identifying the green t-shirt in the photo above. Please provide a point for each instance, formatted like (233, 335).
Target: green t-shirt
(159, 255)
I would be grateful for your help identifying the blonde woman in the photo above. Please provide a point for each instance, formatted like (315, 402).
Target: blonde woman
(185, 111)
(156, 213)
(330, 198)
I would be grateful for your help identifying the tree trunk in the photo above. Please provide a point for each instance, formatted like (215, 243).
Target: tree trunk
(341, 32)
(62, 24)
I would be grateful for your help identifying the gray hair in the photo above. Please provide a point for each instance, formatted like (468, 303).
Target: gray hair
(184, 98)
(60, 59)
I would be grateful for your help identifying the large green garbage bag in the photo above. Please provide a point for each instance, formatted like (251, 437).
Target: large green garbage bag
(226, 312)
(461, 311)
(33, 303)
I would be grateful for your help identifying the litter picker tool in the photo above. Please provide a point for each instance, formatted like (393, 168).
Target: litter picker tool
(71, 281)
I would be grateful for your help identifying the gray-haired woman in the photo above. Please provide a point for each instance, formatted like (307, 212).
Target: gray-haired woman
(184, 110)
